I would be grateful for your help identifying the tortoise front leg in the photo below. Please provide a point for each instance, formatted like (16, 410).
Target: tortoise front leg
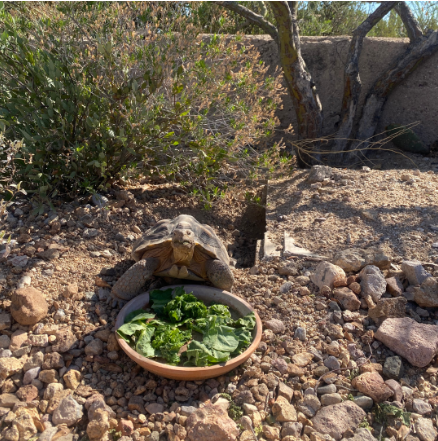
(220, 274)
(131, 283)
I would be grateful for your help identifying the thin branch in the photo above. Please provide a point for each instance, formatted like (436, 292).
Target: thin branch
(412, 27)
(352, 82)
(253, 17)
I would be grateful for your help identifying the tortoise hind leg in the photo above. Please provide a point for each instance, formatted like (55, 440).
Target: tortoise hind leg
(220, 274)
(130, 284)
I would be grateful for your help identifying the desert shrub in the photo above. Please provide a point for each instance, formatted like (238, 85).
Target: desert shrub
(96, 91)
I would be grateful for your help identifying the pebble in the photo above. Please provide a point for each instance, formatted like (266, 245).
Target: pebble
(332, 363)
(300, 333)
(328, 399)
(421, 407)
(364, 402)
(328, 389)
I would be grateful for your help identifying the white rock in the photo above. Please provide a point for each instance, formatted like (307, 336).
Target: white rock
(68, 412)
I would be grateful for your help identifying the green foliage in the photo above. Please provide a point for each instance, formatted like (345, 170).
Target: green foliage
(315, 18)
(222, 336)
(235, 412)
(99, 90)
(383, 410)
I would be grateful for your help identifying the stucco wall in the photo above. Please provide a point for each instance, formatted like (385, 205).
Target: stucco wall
(415, 99)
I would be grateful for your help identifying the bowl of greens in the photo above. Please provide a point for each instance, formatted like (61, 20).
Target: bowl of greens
(188, 332)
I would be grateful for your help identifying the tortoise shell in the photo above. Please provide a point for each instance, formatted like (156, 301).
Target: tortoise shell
(160, 235)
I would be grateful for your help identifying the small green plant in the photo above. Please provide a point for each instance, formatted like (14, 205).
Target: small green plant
(382, 411)
(364, 424)
(115, 435)
(235, 412)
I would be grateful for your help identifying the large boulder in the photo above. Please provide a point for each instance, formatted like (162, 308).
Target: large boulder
(327, 274)
(354, 259)
(336, 419)
(416, 342)
(211, 423)
(28, 306)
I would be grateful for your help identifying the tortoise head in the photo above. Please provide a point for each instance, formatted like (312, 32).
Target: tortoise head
(183, 242)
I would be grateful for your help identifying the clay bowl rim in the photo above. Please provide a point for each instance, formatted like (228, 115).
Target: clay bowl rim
(191, 372)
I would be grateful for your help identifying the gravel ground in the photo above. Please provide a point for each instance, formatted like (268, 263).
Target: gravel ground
(69, 380)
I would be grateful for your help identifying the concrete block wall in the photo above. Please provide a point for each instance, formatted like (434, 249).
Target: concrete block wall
(414, 100)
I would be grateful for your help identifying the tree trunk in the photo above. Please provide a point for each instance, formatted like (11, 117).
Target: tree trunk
(352, 82)
(375, 101)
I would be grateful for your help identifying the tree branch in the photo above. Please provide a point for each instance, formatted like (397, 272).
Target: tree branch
(412, 27)
(352, 82)
(298, 79)
(415, 55)
(253, 17)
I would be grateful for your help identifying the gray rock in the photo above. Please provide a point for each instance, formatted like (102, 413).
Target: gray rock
(372, 282)
(332, 363)
(354, 259)
(5, 353)
(103, 294)
(300, 333)
(318, 173)
(361, 435)
(421, 407)
(94, 348)
(414, 272)
(48, 434)
(286, 287)
(31, 374)
(328, 389)
(99, 200)
(187, 410)
(5, 341)
(393, 367)
(328, 399)
(291, 429)
(89, 233)
(426, 295)
(425, 430)
(364, 402)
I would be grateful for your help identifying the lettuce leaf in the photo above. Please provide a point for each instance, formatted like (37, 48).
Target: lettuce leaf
(139, 314)
(198, 354)
(160, 299)
(143, 346)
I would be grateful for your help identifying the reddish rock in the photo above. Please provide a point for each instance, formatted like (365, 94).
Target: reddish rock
(27, 393)
(394, 286)
(339, 282)
(416, 342)
(211, 423)
(126, 427)
(372, 385)
(396, 388)
(28, 306)
(395, 307)
(355, 287)
(65, 339)
(336, 419)
(347, 299)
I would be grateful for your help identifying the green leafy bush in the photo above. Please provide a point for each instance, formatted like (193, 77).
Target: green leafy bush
(96, 91)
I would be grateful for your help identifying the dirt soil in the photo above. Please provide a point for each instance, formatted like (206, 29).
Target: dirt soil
(394, 209)
(90, 247)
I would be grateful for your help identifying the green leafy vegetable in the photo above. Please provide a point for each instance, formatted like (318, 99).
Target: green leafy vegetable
(249, 322)
(168, 342)
(139, 314)
(183, 307)
(181, 314)
(199, 355)
(160, 299)
(143, 346)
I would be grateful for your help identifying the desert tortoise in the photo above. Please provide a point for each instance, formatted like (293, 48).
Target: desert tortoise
(180, 248)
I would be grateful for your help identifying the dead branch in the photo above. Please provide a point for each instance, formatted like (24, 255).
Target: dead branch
(352, 82)
(251, 16)
(412, 27)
